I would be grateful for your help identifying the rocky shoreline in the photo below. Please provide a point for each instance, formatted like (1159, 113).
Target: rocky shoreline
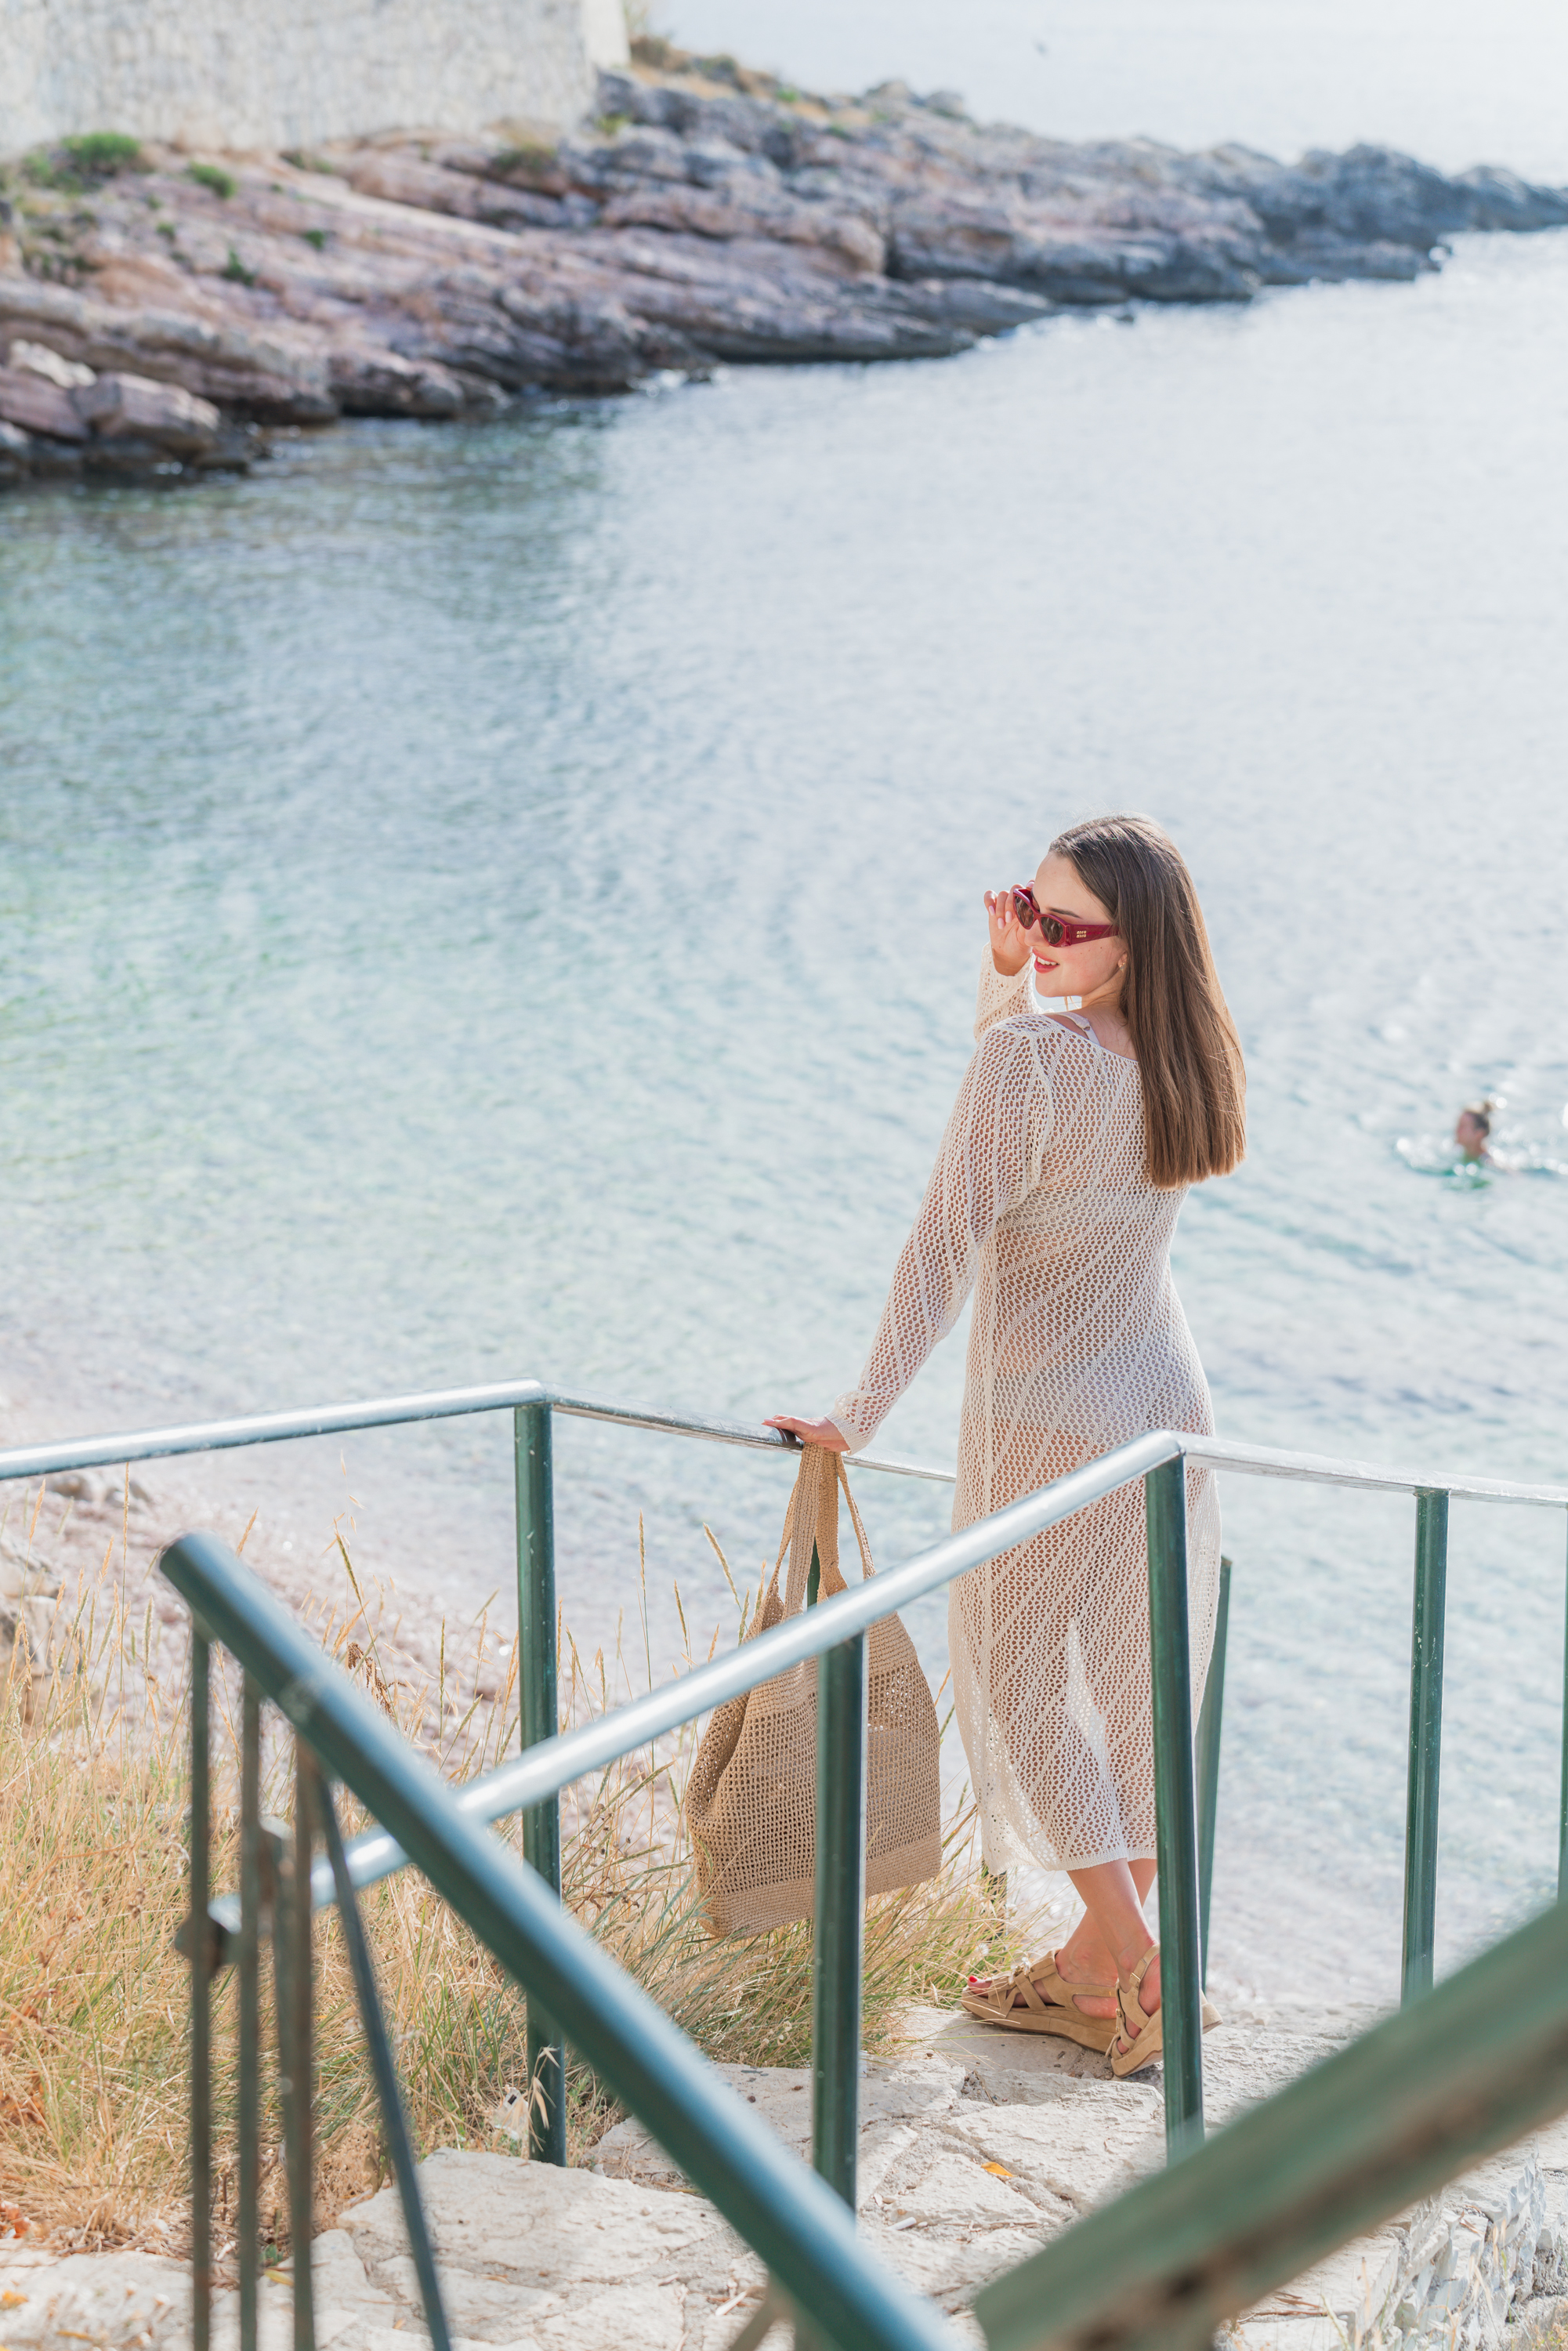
(160, 312)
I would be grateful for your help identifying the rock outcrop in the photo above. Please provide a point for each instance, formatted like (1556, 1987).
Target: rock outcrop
(706, 216)
(62, 416)
(36, 1635)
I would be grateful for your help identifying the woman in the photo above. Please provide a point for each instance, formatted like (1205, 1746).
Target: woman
(1106, 1080)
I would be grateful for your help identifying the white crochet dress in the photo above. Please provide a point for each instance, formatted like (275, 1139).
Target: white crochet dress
(1038, 1203)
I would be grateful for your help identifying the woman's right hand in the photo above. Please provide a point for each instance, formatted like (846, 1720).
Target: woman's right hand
(1009, 947)
(825, 1432)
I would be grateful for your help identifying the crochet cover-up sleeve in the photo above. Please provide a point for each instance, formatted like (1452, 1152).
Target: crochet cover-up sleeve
(989, 1160)
(1001, 997)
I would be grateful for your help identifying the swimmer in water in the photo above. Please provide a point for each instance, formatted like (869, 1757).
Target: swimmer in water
(1473, 1132)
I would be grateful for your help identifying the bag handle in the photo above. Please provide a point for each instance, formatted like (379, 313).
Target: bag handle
(867, 1571)
(812, 1517)
(802, 1527)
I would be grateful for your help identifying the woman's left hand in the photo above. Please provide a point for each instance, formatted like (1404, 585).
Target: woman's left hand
(825, 1432)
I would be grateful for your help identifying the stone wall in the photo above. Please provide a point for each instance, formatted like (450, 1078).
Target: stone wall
(241, 74)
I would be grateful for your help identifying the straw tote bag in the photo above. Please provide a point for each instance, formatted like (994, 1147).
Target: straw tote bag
(751, 1802)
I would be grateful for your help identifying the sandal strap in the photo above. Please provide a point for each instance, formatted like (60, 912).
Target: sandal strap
(1131, 2032)
(1048, 1960)
(1095, 1991)
(1128, 2032)
(1024, 1990)
(1020, 1990)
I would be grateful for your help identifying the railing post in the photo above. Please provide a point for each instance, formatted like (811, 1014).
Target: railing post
(301, 2000)
(249, 2199)
(1175, 1824)
(1210, 1715)
(539, 1705)
(1426, 1743)
(201, 1998)
(840, 1915)
(1562, 1797)
(394, 2117)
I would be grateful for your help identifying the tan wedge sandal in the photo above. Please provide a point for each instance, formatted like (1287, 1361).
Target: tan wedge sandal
(1036, 1997)
(1140, 2038)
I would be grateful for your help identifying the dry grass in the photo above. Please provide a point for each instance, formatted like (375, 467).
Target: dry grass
(93, 1871)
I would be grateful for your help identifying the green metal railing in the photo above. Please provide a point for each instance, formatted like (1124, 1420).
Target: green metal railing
(283, 1881)
(533, 1408)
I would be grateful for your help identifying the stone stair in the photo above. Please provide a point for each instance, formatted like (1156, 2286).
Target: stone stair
(975, 2145)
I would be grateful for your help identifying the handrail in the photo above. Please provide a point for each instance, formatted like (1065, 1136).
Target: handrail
(515, 1906)
(553, 1758)
(786, 2214)
(542, 1771)
(392, 1412)
(1460, 2073)
(445, 1404)
(1333, 1469)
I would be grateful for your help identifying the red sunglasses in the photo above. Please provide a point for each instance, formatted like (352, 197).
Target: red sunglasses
(1057, 933)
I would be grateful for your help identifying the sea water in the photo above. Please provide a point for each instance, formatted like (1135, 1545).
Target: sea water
(493, 901)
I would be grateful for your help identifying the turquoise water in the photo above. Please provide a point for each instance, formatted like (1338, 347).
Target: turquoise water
(507, 900)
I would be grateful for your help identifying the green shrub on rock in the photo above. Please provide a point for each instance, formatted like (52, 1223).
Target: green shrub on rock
(75, 165)
(212, 176)
(532, 155)
(98, 154)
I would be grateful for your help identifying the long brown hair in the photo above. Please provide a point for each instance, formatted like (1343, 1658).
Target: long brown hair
(1189, 1056)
